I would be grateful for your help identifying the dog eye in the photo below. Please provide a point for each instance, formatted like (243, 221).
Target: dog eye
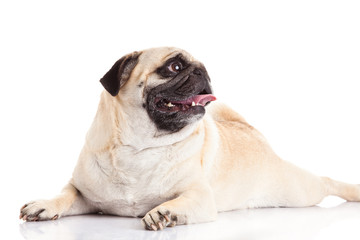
(175, 67)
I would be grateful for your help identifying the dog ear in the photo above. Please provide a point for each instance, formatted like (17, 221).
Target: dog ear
(120, 72)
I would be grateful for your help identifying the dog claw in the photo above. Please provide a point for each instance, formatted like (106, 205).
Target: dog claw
(161, 227)
(167, 218)
(159, 219)
(55, 217)
(172, 224)
(153, 227)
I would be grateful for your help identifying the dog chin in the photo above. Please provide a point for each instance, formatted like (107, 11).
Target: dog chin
(173, 114)
(176, 120)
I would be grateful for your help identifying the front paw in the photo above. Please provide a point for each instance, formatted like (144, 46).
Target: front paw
(39, 210)
(159, 218)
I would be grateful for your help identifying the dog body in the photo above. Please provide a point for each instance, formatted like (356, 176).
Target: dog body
(153, 152)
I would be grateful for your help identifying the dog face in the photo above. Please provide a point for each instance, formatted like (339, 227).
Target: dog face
(168, 83)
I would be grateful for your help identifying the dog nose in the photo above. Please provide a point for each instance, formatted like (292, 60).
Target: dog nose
(198, 72)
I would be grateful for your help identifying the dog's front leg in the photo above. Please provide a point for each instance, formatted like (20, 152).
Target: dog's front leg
(69, 202)
(194, 205)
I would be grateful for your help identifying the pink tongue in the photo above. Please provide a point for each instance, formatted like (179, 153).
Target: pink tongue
(199, 99)
(203, 99)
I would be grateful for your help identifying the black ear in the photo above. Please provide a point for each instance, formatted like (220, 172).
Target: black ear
(120, 72)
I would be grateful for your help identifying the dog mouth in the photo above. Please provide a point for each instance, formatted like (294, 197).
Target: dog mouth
(184, 105)
(180, 101)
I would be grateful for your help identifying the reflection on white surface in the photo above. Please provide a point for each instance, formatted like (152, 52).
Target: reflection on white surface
(270, 223)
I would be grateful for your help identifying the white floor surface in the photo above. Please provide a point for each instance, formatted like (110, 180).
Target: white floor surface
(319, 222)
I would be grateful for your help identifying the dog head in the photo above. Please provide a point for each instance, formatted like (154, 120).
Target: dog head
(168, 83)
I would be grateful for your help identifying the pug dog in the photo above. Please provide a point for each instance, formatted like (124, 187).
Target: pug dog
(158, 150)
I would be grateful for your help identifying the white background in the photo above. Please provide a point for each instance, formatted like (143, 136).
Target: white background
(291, 68)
